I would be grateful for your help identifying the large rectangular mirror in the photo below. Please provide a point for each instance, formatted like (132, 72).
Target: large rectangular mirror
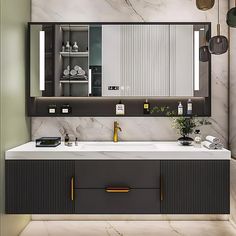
(128, 60)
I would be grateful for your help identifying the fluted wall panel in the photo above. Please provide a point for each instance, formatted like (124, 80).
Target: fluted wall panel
(145, 60)
(136, 58)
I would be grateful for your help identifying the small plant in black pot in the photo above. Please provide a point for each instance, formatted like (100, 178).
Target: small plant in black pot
(185, 127)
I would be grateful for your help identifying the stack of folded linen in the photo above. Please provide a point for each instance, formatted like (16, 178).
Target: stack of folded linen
(212, 143)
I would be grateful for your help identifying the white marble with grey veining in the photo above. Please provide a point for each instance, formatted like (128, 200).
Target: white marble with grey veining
(101, 128)
(129, 228)
(116, 151)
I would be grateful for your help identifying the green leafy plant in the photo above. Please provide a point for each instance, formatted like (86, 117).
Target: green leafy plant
(185, 125)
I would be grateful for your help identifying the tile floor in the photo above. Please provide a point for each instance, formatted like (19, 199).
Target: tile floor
(129, 228)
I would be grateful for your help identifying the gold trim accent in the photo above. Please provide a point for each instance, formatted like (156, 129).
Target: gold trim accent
(161, 191)
(115, 133)
(72, 189)
(117, 190)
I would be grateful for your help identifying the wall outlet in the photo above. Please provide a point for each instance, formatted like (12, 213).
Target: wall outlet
(52, 109)
(66, 109)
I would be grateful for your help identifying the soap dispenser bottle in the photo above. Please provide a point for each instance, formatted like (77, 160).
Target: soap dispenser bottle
(67, 139)
(198, 138)
(76, 141)
(180, 109)
(120, 108)
(146, 107)
(189, 107)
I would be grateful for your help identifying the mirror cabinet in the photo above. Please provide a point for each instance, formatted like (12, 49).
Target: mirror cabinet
(91, 66)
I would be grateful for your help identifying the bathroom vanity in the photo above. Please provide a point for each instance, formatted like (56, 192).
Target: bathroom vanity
(117, 178)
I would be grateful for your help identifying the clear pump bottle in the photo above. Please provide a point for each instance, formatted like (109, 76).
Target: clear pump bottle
(198, 138)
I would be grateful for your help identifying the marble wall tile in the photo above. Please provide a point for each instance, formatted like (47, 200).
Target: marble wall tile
(135, 10)
(232, 88)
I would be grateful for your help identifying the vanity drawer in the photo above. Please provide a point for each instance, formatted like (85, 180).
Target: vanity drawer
(127, 173)
(98, 201)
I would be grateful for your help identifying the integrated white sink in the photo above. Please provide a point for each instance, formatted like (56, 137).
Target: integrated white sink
(119, 146)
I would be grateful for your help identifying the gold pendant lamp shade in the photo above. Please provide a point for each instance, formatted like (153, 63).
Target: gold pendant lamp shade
(205, 5)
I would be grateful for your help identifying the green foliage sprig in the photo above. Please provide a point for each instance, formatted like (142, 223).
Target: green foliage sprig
(185, 125)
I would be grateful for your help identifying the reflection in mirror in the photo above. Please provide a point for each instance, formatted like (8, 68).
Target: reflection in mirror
(94, 60)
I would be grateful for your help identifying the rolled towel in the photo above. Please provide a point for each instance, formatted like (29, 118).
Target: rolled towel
(209, 145)
(219, 146)
(212, 139)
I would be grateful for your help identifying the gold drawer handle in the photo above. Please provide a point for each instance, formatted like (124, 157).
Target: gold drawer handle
(161, 189)
(117, 190)
(72, 189)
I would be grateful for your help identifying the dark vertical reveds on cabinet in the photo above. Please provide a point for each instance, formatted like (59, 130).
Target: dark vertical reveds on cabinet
(151, 187)
(39, 187)
(195, 187)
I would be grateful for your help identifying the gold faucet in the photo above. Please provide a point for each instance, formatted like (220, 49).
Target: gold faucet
(116, 128)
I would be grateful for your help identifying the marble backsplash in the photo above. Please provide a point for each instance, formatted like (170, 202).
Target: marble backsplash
(101, 128)
(88, 128)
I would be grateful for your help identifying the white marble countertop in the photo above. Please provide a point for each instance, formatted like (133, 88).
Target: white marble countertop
(116, 151)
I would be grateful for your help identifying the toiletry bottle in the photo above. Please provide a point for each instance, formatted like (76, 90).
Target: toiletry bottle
(198, 138)
(120, 109)
(67, 46)
(76, 141)
(63, 47)
(189, 107)
(146, 107)
(67, 139)
(180, 109)
(75, 47)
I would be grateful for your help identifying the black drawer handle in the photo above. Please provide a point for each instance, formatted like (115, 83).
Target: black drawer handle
(117, 190)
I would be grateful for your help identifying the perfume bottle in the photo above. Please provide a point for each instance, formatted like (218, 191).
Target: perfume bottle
(146, 107)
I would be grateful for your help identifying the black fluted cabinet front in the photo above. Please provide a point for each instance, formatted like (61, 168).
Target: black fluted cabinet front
(39, 187)
(195, 187)
(166, 186)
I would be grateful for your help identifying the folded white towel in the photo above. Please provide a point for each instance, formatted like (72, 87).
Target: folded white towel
(209, 145)
(212, 139)
(219, 146)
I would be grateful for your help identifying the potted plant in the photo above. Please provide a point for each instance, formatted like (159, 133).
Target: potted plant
(185, 125)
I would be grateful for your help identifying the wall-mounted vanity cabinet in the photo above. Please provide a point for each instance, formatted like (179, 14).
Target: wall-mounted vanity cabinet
(117, 61)
(117, 187)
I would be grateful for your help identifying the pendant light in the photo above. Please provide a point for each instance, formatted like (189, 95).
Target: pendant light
(204, 54)
(231, 17)
(205, 5)
(219, 43)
